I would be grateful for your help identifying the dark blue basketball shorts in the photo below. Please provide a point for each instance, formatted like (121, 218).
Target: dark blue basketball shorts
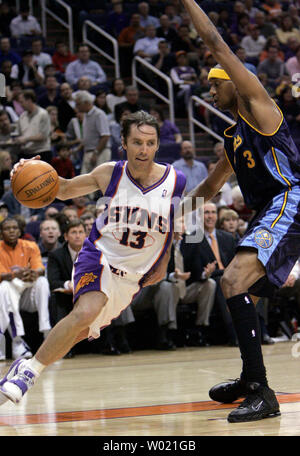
(275, 234)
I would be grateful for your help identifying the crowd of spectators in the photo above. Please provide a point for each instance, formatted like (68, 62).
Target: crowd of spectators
(63, 107)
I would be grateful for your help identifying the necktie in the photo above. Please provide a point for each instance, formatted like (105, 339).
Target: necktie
(215, 249)
(178, 260)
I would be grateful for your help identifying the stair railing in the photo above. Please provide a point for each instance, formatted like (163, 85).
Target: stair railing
(68, 25)
(113, 59)
(169, 100)
(193, 121)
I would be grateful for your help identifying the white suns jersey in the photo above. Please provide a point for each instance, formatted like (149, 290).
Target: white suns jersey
(136, 227)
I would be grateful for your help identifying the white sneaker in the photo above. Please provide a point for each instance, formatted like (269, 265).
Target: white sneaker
(17, 381)
(20, 349)
(2, 347)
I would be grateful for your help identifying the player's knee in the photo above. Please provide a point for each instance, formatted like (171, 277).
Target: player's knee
(231, 284)
(84, 315)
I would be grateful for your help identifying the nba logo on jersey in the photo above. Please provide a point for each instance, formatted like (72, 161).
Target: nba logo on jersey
(164, 193)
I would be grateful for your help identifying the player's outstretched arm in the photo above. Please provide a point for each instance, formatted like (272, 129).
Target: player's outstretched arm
(80, 185)
(254, 101)
(207, 189)
(84, 184)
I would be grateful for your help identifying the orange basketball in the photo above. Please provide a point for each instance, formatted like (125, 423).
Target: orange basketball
(35, 184)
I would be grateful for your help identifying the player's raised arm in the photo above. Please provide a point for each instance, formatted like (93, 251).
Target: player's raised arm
(254, 102)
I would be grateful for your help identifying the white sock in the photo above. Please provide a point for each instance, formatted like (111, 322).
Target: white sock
(36, 365)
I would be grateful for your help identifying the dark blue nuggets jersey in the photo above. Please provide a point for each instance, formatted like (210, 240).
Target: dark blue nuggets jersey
(265, 164)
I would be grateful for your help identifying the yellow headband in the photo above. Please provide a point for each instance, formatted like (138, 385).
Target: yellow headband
(218, 73)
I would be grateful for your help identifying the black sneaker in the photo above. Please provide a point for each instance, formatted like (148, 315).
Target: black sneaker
(260, 403)
(228, 392)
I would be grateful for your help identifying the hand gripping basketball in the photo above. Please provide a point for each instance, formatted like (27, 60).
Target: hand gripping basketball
(34, 182)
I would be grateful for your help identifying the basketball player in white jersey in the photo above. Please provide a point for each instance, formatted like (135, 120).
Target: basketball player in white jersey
(126, 249)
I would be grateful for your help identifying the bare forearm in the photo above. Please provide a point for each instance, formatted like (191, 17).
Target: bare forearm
(77, 186)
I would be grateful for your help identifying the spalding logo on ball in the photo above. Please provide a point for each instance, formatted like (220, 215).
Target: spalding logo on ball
(35, 184)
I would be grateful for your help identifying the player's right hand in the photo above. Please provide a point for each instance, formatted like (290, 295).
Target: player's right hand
(21, 163)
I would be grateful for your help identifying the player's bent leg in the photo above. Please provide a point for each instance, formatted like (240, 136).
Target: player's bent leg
(23, 373)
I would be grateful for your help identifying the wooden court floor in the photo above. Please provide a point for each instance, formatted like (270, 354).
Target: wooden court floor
(151, 393)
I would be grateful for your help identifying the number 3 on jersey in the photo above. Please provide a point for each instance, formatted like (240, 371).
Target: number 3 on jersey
(250, 160)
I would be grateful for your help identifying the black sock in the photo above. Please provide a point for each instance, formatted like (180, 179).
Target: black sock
(247, 328)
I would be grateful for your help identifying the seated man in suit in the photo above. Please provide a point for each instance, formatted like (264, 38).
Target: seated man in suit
(59, 270)
(208, 258)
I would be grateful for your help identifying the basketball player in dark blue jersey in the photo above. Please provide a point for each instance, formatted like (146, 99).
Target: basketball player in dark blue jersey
(260, 150)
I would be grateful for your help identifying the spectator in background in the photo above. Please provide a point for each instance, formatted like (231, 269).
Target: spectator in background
(117, 20)
(25, 24)
(40, 58)
(165, 30)
(115, 131)
(183, 77)
(3, 211)
(145, 18)
(6, 128)
(49, 238)
(272, 41)
(169, 132)
(287, 30)
(74, 136)
(62, 162)
(253, 43)
(174, 18)
(272, 8)
(238, 204)
(56, 133)
(62, 56)
(147, 47)
(291, 110)
(132, 102)
(7, 13)
(79, 203)
(6, 53)
(88, 219)
(96, 133)
(51, 96)
(6, 68)
(273, 67)
(13, 97)
(70, 212)
(84, 66)
(27, 72)
(49, 70)
(34, 129)
(291, 48)
(66, 106)
(23, 285)
(241, 54)
(229, 222)
(266, 27)
(164, 60)
(293, 63)
(183, 42)
(100, 102)
(5, 167)
(126, 40)
(194, 171)
(116, 95)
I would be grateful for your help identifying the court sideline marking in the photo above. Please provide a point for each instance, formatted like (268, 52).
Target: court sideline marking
(127, 412)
